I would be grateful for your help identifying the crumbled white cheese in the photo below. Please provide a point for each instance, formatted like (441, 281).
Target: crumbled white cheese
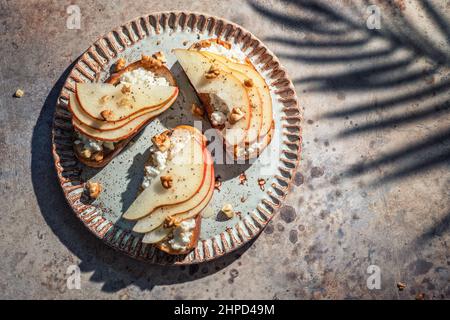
(232, 53)
(182, 235)
(254, 147)
(144, 77)
(218, 118)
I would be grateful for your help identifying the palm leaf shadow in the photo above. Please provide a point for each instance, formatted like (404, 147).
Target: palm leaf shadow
(339, 35)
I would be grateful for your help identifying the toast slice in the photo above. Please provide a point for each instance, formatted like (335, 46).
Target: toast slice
(101, 152)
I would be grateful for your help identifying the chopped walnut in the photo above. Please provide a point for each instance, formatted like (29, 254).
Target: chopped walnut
(126, 88)
(151, 62)
(160, 56)
(242, 178)
(98, 156)
(197, 110)
(104, 99)
(161, 141)
(94, 189)
(166, 181)
(19, 93)
(236, 114)
(248, 83)
(107, 115)
(125, 102)
(213, 72)
(171, 222)
(420, 296)
(227, 209)
(120, 64)
(261, 183)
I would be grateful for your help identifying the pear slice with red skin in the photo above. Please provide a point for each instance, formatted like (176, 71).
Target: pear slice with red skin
(187, 172)
(224, 86)
(120, 105)
(122, 132)
(193, 206)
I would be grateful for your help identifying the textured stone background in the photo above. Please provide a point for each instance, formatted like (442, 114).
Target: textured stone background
(373, 187)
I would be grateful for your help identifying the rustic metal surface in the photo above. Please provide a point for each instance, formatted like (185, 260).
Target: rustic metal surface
(373, 188)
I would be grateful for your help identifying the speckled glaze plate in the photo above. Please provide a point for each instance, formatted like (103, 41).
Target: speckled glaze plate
(255, 203)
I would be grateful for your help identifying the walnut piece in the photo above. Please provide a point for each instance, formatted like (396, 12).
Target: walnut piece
(107, 115)
(242, 178)
(120, 64)
(161, 141)
(166, 181)
(248, 83)
(94, 189)
(171, 222)
(213, 72)
(236, 114)
(197, 110)
(19, 93)
(227, 209)
(150, 62)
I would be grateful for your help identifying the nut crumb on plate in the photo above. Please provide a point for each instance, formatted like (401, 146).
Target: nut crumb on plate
(107, 115)
(94, 189)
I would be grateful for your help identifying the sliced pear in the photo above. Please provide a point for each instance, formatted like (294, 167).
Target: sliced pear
(96, 98)
(259, 82)
(124, 131)
(225, 87)
(157, 217)
(254, 97)
(188, 173)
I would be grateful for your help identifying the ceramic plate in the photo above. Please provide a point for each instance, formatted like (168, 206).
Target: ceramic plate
(255, 202)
